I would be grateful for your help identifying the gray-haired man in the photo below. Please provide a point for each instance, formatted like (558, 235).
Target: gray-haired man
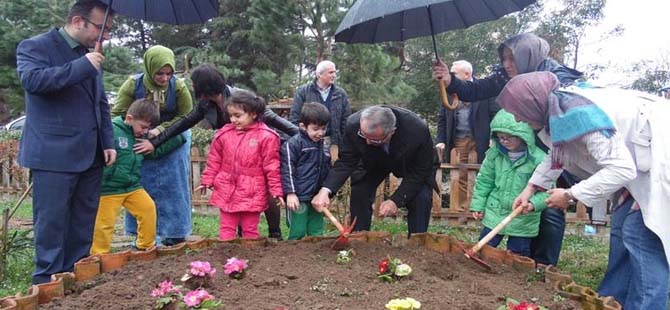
(377, 141)
(323, 90)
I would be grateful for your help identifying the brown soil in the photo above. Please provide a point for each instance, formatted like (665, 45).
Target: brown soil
(289, 275)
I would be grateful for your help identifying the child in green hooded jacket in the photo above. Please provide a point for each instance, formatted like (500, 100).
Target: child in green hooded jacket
(121, 181)
(507, 167)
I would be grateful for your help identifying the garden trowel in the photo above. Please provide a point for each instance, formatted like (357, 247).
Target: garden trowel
(342, 241)
(471, 252)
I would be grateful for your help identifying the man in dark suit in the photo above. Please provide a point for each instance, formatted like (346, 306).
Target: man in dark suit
(377, 141)
(466, 129)
(67, 137)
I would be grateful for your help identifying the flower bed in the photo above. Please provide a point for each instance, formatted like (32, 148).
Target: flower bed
(307, 275)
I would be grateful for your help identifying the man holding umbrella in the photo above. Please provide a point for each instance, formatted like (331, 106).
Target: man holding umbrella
(67, 137)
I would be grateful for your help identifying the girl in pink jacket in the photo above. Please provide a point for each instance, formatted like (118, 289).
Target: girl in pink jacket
(243, 167)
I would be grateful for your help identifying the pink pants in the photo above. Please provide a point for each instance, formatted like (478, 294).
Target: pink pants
(247, 220)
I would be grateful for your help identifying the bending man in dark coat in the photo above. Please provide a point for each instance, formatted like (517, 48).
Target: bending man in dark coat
(380, 140)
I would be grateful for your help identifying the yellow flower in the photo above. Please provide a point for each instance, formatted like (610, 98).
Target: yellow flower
(403, 304)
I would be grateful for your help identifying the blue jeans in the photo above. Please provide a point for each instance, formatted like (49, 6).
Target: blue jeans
(546, 247)
(637, 271)
(518, 245)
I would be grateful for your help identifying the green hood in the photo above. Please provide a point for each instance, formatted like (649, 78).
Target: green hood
(155, 58)
(500, 180)
(504, 122)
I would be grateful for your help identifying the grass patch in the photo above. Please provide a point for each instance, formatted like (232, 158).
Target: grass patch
(585, 258)
(19, 273)
(24, 212)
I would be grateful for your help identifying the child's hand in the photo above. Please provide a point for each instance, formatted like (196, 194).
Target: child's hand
(292, 202)
(524, 197)
(201, 188)
(528, 208)
(280, 201)
(478, 215)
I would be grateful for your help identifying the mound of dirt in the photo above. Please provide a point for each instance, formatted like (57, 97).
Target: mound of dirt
(300, 275)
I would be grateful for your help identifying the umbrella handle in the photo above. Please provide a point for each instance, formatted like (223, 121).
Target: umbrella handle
(445, 99)
(98, 47)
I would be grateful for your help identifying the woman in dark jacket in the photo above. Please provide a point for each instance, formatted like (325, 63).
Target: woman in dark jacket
(211, 91)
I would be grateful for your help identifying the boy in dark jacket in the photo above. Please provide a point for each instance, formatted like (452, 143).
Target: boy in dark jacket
(121, 181)
(305, 164)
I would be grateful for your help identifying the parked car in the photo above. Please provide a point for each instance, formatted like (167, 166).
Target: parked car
(16, 124)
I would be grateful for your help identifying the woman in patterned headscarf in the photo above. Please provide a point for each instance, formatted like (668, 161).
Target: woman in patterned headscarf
(165, 179)
(616, 142)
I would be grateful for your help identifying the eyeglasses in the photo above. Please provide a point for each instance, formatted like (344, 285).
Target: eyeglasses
(507, 138)
(99, 26)
(374, 141)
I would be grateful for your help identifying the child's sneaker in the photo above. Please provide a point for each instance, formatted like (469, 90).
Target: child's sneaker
(276, 235)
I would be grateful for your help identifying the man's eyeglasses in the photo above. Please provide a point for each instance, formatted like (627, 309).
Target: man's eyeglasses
(373, 141)
(99, 26)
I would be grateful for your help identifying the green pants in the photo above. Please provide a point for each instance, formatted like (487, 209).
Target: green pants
(304, 222)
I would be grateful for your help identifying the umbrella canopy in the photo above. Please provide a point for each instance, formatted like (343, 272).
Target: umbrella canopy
(374, 21)
(174, 12)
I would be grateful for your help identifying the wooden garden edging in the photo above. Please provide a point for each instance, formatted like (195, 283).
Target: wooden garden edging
(90, 267)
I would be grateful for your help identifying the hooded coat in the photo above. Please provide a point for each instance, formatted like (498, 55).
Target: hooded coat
(500, 180)
(124, 175)
(531, 53)
(243, 168)
(155, 58)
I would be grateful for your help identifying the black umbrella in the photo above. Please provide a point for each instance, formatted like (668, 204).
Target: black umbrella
(375, 21)
(174, 12)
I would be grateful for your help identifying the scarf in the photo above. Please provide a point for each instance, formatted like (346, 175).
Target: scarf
(534, 98)
(155, 58)
(528, 49)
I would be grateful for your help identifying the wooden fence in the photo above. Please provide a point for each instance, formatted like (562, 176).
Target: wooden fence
(14, 181)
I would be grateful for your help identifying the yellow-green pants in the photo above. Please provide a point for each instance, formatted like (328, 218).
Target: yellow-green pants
(139, 204)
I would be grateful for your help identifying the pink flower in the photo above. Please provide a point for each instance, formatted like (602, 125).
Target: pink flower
(202, 269)
(164, 288)
(234, 266)
(191, 299)
(195, 298)
(156, 293)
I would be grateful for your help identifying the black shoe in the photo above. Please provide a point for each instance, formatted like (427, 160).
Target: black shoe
(172, 241)
(276, 235)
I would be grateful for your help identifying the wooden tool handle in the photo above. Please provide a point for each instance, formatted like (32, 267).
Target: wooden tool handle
(496, 230)
(443, 96)
(98, 48)
(333, 220)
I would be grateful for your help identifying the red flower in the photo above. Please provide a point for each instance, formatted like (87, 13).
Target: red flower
(526, 306)
(384, 266)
